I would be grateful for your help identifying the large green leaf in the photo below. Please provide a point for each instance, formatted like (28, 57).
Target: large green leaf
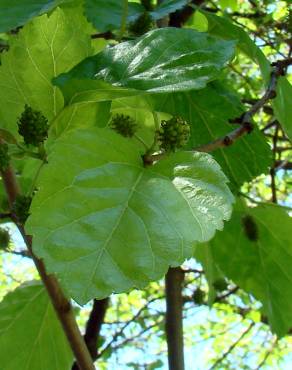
(45, 47)
(105, 224)
(163, 60)
(208, 112)
(31, 336)
(256, 252)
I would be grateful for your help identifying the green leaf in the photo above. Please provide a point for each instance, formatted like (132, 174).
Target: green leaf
(45, 47)
(106, 15)
(14, 13)
(208, 112)
(283, 105)
(198, 21)
(258, 258)
(31, 336)
(163, 60)
(167, 7)
(222, 27)
(108, 224)
(80, 116)
(232, 4)
(203, 254)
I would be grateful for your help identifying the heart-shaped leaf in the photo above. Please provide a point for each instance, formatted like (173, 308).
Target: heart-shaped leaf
(105, 224)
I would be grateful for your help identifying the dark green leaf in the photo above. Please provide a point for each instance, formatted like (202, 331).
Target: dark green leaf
(14, 13)
(166, 7)
(106, 15)
(255, 251)
(208, 111)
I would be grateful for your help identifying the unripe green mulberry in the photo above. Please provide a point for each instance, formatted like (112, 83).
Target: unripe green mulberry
(124, 125)
(173, 134)
(199, 296)
(141, 25)
(4, 239)
(4, 157)
(20, 208)
(33, 126)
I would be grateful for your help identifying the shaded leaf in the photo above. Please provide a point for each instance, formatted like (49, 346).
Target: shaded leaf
(31, 336)
(106, 15)
(260, 265)
(108, 224)
(208, 112)
(14, 13)
(167, 7)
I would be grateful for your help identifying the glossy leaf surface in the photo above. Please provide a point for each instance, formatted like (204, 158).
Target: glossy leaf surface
(107, 224)
(163, 60)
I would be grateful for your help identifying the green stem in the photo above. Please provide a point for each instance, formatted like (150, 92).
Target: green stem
(124, 19)
(32, 186)
(157, 125)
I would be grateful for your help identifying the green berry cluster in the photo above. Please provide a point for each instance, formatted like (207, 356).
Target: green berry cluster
(199, 296)
(142, 24)
(33, 126)
(20, 208)
(173, 134)
(4, 239)
(4, 157)
(124, 125)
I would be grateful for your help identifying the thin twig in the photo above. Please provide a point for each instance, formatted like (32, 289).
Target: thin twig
(120, 332)
(267, 355)
(231, 348)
